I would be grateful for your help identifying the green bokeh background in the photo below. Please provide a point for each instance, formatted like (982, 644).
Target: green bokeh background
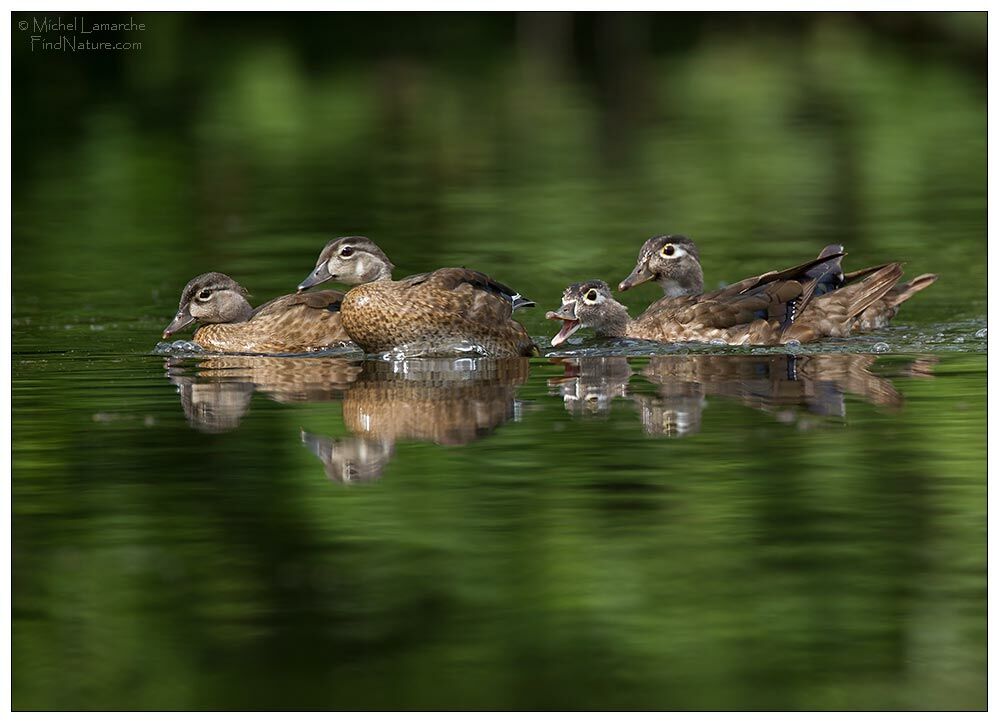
(561, 562)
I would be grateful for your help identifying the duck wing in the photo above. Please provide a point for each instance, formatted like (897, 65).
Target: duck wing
(721, 311)
(329, 300)
(833, 314)
(471, 293)
(452, 278)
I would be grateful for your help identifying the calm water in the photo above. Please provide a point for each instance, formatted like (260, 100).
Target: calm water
(620, 525)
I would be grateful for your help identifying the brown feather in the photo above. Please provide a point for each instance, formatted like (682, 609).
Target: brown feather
(835, 313)
(435, 313)
(288, 324)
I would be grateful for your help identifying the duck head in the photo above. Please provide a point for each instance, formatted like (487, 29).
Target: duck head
(350, 260)
(211, 298)
(589, 304)
(673, 262)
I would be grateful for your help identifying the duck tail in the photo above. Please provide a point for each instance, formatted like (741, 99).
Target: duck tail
(520, 302)
(903, 292)
(879, 282)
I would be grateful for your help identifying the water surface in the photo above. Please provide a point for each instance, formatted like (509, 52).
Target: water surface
(610, 526)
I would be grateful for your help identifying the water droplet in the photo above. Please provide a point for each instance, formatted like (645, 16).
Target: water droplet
(982, 333)
(792, 345)
(880, 348)
(718, 342)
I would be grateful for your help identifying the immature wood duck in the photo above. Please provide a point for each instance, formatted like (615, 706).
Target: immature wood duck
(440, 313)
(771, 309)
(291, 323)
(674, 263)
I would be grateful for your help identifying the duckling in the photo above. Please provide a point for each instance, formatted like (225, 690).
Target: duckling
(291, 323)
(673, 261)
(440, 313)
(769, 309)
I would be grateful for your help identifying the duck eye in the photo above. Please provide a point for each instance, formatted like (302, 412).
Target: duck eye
(205, 294)
(591, 295)
(669, 250)
(346, 252)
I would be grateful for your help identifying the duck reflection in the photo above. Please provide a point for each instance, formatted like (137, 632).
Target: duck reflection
(216, 393)
(352, 459)
(444, 401)
(794, 389)
(590, 384)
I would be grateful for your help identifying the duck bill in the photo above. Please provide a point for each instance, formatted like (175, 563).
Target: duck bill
(318, 276)
(182, 319)
(639, 276)
(570, 324)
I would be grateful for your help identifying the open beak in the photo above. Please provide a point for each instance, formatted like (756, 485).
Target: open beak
(318, 276)
(567, 315)
(182, 319)
(639, 276)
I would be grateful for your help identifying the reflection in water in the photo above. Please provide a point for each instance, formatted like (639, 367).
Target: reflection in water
(590, 384)
(445, 401)
(795, 389)
(351, 459)
(437, 400)
(217, 395)
(456, 401)
(213, 406)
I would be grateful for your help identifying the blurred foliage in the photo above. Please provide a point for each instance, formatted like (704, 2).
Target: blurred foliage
(558, 563)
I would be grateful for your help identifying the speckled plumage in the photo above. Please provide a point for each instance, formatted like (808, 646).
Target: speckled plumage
(766, 310)
(679, 273)
(441, 313)
(287, 324)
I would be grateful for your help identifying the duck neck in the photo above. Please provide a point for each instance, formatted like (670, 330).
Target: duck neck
(615, 320)
(690, 285)
(380, 270)
(687, 281)
(235, 308)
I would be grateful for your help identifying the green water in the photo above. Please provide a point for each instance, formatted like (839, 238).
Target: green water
(609, 526)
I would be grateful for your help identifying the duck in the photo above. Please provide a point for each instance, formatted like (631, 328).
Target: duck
(771, 309)
(447, 312)
(673, 261)
(293, 323)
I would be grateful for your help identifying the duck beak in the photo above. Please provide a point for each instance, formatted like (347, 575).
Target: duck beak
(567, 315)
(182, 319)
(318, 276)
(638, 276)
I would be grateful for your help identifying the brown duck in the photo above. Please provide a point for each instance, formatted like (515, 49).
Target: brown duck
(440, 313)
(674, 263)
(291, 323)
(771, 309)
